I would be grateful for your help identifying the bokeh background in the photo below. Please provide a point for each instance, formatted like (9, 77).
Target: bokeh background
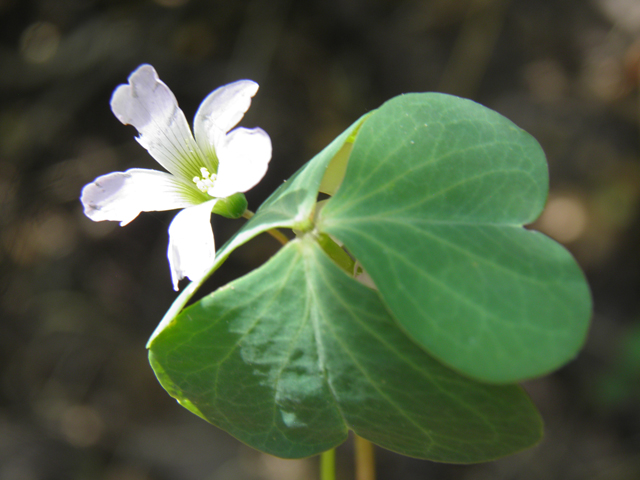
(79, 299)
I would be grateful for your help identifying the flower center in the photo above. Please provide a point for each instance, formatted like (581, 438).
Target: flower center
(205, 184)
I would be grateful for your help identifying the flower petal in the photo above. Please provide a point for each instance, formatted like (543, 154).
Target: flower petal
(220, 112)
(244, 158)
(121, 196)
(191, 246)
(148, 104)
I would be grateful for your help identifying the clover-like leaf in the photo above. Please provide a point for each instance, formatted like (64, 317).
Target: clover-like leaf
(291, 356)
(434, 198)
(433, 202)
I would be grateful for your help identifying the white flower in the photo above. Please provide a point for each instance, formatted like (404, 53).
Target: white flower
(205, 174)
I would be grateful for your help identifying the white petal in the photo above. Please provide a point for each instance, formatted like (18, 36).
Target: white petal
(148, 104)
(121, 196)
(244, 158)
(191, 247)
(221, 111)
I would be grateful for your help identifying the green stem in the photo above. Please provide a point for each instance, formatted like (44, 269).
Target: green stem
(365, 459)
(328, 465)
(337, 253)
(277, 234)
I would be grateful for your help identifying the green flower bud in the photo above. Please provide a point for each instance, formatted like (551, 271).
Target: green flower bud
(231, 207)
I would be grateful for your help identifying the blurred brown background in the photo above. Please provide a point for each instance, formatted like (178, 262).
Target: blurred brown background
(79, 299)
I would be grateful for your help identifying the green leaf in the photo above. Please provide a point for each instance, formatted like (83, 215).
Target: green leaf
(432, 204)
(291, 356)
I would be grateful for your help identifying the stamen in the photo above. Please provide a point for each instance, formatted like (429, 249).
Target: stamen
(205, 183)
